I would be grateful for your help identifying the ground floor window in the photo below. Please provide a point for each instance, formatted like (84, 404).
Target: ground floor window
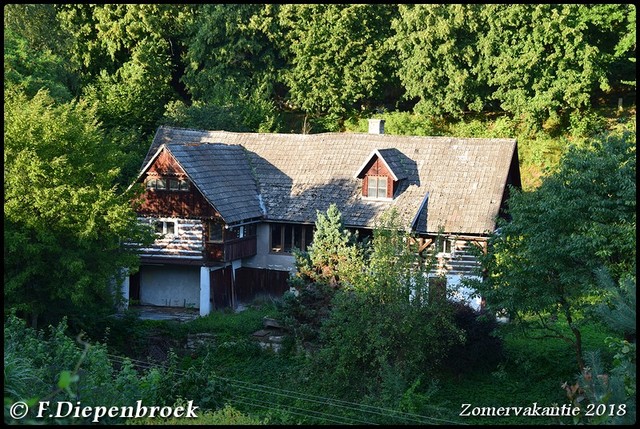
(286, 237)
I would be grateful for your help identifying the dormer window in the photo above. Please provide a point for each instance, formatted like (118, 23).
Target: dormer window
(380, 173)
(377, 187)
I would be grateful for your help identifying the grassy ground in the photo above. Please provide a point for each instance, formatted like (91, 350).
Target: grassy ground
(532, 372)
(264, 384)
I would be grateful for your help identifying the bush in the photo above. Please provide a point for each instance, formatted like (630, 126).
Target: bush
(481, 350)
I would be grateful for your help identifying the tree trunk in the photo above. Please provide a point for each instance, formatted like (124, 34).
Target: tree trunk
(576, 333)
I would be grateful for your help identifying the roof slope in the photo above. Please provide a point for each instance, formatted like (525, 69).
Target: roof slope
(297, 175)
(222, 174)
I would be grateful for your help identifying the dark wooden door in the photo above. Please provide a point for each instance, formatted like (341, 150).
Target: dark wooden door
(221, 290)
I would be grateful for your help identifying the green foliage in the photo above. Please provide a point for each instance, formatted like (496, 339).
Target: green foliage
(135, 95)
(368, 311)
(337, 57)
(619, 310)
(332, 261)
(232, 67)
(31, 70)
(531, 61)
(244, 115)
(226, 416)
(439, 57)
(49, 365)
(65, 221)
(482, 349)
(601, 397)
(334, 256)
(581, 218)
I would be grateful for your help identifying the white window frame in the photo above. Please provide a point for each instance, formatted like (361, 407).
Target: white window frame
(446, 242)
(377, 188)
(164, 222)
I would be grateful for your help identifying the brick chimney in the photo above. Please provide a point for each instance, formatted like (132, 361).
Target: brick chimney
(376, 126)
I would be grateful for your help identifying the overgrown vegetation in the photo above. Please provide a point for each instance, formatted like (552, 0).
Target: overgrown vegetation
(86, 87)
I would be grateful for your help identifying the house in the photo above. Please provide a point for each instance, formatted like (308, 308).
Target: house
(230, 207)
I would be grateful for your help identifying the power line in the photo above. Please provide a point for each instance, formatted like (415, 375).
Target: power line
(350, 406)
(319, 414)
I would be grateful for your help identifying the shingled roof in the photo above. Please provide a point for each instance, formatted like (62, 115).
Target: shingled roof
(223, 176)
(296, 175)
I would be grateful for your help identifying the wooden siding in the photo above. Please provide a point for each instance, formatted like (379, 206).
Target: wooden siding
(221, 288)
(377, 168)
(186, 244)
(231, 250)
(183, 204)
(461, 262)
(253, 282)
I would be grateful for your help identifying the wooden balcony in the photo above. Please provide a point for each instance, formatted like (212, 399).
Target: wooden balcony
(231, 250)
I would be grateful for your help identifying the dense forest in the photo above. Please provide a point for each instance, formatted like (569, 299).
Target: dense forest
(86, 87)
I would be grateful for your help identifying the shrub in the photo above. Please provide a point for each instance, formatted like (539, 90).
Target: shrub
(481, 350)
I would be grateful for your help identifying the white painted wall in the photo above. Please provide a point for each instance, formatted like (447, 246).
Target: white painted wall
(459, 292)
(205, 291)
(170, 285)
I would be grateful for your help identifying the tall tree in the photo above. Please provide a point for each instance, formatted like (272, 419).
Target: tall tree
(540, 59)
(374, 338)
(36, 53)
(536, 60)
(541, 266)
(131, 56)
(233, 65)
(338, 60)
(439, 58)
(65, 221)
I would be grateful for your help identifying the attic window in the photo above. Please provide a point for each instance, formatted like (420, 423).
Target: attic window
(381, 173)
(171, 184)
(377, 187)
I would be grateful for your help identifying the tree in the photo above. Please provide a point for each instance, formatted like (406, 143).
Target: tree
(34, 54)
(366, 310)
(379, 327)
(533, 61)
(233, 64)
(541, 265)
(439, 58)
(337, 58)
(614, 389)
(131, 56)
(334, 257)
(65, 220)
(333, 260)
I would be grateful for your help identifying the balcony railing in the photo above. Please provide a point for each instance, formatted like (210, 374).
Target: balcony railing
(231, 250)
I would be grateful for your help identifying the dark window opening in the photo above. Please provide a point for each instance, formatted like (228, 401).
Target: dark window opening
(284, 238)
(163, 227)
(163, 184)
(215, 232)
